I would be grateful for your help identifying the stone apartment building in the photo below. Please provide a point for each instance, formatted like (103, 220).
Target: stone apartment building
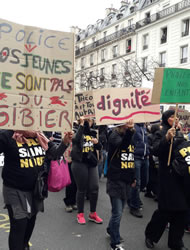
(125, 47)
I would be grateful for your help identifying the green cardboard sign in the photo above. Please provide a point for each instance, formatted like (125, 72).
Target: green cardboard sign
(175, 86)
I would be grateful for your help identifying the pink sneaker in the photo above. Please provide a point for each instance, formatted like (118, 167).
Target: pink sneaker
(95, 218)
(80, 218)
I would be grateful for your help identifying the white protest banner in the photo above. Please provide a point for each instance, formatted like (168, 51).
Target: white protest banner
(36, 78)
(84, 105)
(114, 106)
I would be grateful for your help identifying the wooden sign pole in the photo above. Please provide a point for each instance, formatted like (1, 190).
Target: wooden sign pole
(170, 151)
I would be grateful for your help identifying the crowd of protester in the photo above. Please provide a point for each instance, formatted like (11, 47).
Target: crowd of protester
(133, 158)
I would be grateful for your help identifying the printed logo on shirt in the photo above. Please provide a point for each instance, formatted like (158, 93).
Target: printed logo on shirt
(185, 153)
(32, 155)
(127, 158)
(88, 145)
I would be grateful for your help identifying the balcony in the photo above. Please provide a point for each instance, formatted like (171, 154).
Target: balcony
(183, 60)
(132, 28)
(121, 33)
(163, 13)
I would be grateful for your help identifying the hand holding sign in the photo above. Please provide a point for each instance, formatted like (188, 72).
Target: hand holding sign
(170, 134)
(94, 140)
(130, 124)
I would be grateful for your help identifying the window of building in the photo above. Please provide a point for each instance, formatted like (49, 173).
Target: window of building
(115, 51)
(117, 28)
(114, 71)
(184, 54)
(102, 74)
(84, 44)
(90, 79)
(126, 67)
(144, 64)
(93, 39)
(145, 41)
(162, 59)
(185, 27)
(130, 22)
(128, 46)
(91, 59)
(105, 34)
(103, 55)
(102, 71)
(147, 18)
(163, 35)
(82, 62)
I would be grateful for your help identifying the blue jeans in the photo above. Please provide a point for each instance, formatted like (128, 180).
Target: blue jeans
(101, 163)
(142, 176)
(114, 223)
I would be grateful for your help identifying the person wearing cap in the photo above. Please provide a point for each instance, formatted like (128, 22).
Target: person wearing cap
(172, 204)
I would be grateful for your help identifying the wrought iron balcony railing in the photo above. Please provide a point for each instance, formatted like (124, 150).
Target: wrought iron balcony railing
(132, 29)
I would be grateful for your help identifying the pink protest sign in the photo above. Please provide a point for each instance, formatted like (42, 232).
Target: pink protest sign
(114, 106)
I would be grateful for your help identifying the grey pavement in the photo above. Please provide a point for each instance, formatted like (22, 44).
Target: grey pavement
(57, 230)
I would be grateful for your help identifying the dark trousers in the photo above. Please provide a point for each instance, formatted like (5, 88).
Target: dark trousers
(20, 231)
(157, 225)
(86, 179)
(71, 190)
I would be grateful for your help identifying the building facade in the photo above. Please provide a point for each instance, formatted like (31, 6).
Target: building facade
(125, 47)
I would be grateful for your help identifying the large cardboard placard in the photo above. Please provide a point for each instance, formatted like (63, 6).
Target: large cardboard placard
(171, 85)
(114, 106)
(36, 78)
(84, 105)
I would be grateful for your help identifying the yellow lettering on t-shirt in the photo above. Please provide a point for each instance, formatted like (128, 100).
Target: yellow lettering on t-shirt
(184, 151)
(24, 163)
(123, 164)
(88, 138)
(32, 142)
(127, 164)
(40, 160)
(131, 148)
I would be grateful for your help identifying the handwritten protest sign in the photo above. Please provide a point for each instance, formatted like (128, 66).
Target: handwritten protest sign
(113, 106)
(184, 117)
(84, 105)
(36, 78)
(171, 85)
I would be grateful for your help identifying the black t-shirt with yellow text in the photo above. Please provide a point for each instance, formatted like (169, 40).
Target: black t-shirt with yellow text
(21, 161)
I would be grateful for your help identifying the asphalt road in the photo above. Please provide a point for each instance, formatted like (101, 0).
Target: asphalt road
(57, 230)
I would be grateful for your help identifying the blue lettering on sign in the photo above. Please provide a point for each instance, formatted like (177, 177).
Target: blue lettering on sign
(40, 38)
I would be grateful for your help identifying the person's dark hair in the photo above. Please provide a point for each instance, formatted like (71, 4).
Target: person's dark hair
(166, 115)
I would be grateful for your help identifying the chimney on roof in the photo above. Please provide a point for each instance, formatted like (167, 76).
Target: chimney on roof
(75, 29)
(124, 3)
(110, 10)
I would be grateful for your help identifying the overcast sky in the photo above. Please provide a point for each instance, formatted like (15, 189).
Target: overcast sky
(56, 14)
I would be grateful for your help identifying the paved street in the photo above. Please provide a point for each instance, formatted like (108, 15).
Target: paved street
(57, 230)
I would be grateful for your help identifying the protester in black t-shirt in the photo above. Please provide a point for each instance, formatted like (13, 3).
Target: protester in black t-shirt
(24, 153)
